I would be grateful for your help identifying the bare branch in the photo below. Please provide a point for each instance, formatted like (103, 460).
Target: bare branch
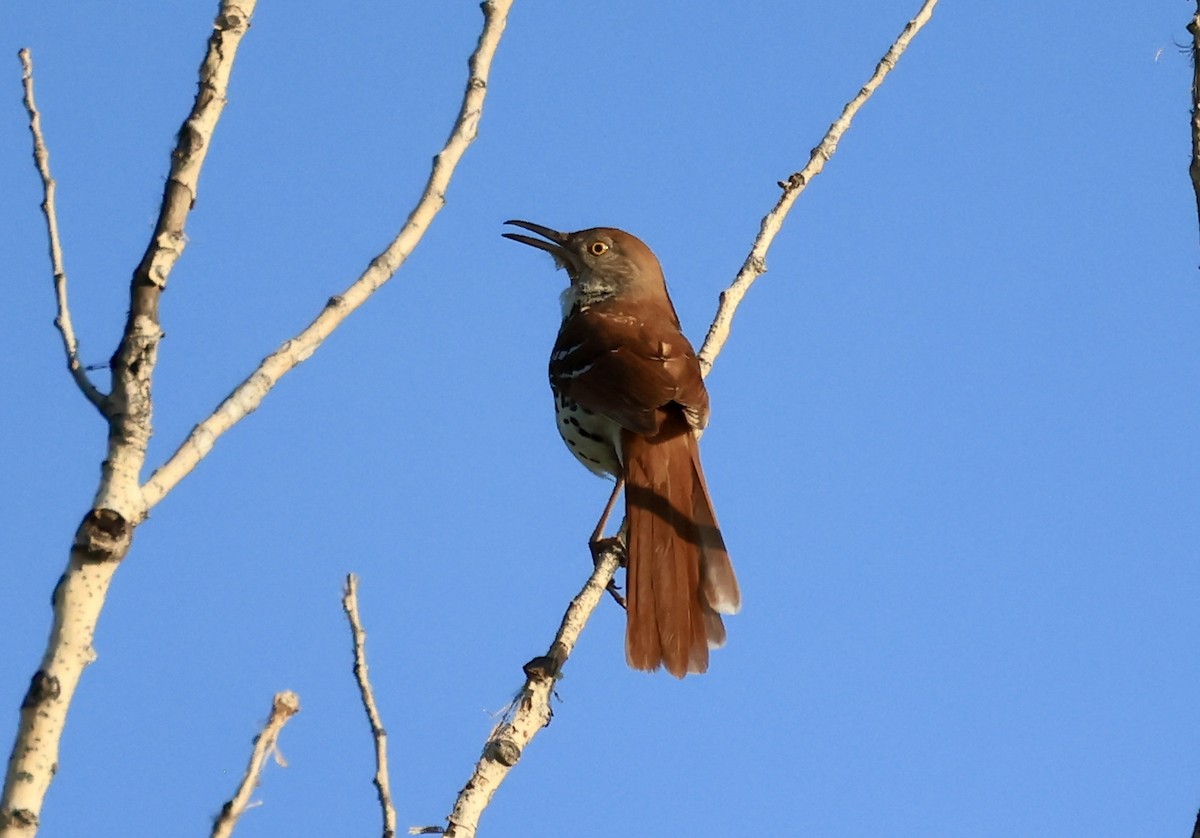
(266, 744)
(106, 531)
(135, 358)
(249, 394)
(382, 782)
(756, 262)
(41, 158)
(530, 710)
(1194, 169)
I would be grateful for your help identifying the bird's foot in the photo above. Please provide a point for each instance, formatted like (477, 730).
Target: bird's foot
(600, 548)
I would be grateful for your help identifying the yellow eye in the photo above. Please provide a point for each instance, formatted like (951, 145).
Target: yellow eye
(598, 248)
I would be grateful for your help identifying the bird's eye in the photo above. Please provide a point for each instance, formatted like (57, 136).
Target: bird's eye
(598, 248)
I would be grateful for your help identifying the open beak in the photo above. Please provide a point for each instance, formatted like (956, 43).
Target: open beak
(556, 246)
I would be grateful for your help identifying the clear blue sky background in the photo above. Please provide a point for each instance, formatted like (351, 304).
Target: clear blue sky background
(953, 444)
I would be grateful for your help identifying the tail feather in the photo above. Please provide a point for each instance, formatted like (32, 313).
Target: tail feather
(642, 648)
(721, 590)
(679, 576)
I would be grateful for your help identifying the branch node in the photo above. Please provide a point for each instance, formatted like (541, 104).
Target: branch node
(232, 19)
(20, 818)
(504, 751)
(103, 535)
(548, 666)
(43, 687)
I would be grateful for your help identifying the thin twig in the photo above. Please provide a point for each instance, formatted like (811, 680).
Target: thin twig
(248, 395)
(756, 262)
(41, 159)
(530, 710)
(1194, 169)
(266, 744)
(359, 637)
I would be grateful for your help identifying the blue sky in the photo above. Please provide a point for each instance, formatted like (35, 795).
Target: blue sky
(952, 444)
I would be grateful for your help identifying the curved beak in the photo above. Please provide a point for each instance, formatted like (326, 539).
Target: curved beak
(556, 246)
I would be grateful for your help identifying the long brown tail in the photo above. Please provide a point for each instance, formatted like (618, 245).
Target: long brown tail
(679, 578)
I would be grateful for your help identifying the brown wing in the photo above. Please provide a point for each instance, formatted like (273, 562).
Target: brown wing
(626, 368)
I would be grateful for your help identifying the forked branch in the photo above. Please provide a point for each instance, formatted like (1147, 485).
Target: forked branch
(106, 532)
(122, 502)
(248, 395)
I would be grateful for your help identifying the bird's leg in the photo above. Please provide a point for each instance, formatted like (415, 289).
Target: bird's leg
(599, 545)
(598, 533)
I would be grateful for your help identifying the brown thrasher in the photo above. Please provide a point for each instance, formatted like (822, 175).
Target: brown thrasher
(628, 395)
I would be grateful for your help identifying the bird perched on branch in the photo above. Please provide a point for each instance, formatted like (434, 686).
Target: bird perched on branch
(628, 398)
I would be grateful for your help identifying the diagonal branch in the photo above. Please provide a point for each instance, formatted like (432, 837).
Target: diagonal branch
(530, 710)
(131, 401)
(41, 158)
(266, 744)
(756, 262)
(378, 733)
(248, 395)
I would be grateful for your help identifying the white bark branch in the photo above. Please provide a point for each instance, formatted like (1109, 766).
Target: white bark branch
(266, 744)
(135, 359)
(106, 532)
(249, 394)
(378, 732)
(41, 159)
(530, 710)
(756, 262)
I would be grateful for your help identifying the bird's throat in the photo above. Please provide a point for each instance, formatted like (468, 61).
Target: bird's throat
(587, 292)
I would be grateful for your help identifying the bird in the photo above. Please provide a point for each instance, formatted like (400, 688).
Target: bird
(629, 399)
